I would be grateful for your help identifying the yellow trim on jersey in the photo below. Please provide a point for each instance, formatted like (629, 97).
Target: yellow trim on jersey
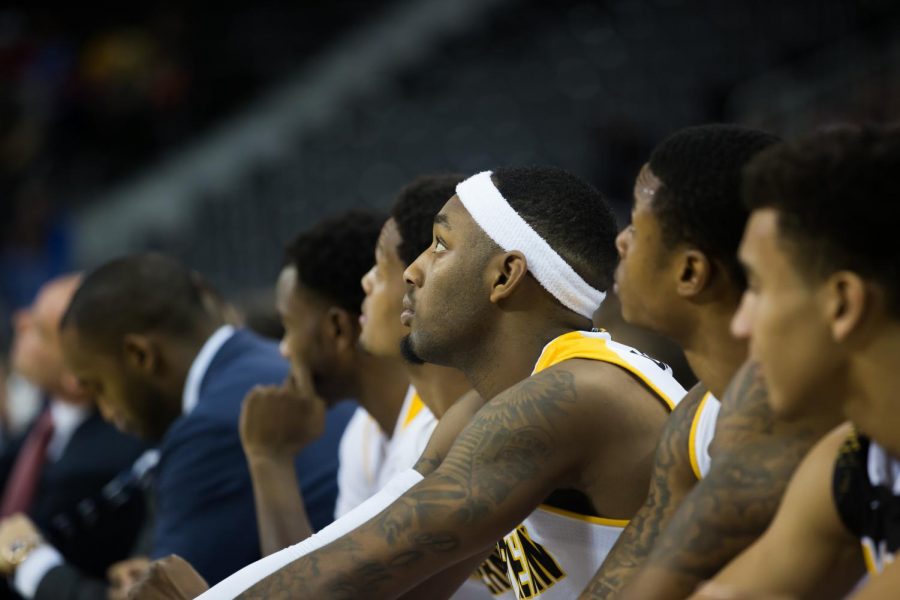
(415, 407)
(869, 559)
(692, 440)
(620, 523)
(574, 345)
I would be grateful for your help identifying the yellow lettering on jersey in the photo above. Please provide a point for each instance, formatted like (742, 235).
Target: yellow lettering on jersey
(492, 573)
(531, 569)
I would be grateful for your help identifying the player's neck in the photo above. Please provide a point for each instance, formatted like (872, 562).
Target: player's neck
(712, 352)
(382, 388)
(872, 402)
(438, 387)
(509, 355)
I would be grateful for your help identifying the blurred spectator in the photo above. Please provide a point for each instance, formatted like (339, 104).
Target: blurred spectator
(35, 247)
(67, 456)
(21, 402)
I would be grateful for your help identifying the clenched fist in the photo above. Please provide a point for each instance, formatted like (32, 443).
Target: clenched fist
(169, 578)
(279, 421)
(124, 575)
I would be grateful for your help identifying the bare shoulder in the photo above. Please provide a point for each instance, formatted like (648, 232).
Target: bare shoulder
(607, 390)
(819, 463)
(806, 540)
(745, 411)
(746, 420)
(673, 453)
(809, 494)
(613, 425)
(685, 411)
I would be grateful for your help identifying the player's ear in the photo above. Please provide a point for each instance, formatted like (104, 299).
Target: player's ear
(342, 328)
(848, 300)
(506, 271)
(141, 353)
(694, 274)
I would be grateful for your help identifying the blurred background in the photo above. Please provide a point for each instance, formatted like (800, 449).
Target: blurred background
(216, 134)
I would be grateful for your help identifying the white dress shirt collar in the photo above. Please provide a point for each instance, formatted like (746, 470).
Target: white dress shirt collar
(66, 419)
(191, 394)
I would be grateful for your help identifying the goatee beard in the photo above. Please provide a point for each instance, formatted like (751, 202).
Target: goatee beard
(409, 353)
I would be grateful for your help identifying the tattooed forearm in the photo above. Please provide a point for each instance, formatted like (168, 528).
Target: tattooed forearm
(499, 468)
(671, 479)
(753, 458)
(427, 463)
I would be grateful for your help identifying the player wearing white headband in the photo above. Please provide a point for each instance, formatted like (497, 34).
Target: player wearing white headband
(556, 461)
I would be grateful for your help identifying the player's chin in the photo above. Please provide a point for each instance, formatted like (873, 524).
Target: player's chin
(409, 351)
(631, 313)
(786, 404)
(363, 340)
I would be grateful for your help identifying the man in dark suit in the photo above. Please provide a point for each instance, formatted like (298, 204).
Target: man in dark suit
(161, 364)
(56, 472)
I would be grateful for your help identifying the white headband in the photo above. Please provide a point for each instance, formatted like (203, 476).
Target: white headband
(510, 231)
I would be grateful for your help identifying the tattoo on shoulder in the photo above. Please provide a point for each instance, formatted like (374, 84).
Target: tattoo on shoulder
(745, 403)
(753, 458)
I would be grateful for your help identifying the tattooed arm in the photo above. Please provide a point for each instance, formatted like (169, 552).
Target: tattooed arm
(753, 458)
(671, 480)
(806, 545)
(448, 429)
(520, 446)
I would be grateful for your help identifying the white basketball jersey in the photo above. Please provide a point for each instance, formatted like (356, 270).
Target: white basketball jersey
(369, 458)
(360, 456)
(554, 553)
(703, 429)
(414, 427)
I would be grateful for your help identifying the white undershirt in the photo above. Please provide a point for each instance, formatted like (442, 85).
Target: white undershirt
(67, 418)
(197, 372)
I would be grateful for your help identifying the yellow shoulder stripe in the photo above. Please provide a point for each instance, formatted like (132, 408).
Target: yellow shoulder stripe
(574, 345)
(692, 443)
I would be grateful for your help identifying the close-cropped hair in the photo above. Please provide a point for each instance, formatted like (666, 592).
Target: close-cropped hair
(835, 194)
(414, 210)
(569, 213)
(140, 293)
(699, 200)
(332, 256)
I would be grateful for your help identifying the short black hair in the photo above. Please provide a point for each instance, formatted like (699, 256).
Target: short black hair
(414, 210)
(570, 214)
(835, 192)
(699, 198)
(140, 293)
(332, 256)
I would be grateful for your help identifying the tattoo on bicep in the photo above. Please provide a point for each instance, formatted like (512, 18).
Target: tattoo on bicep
(745, 409)
(753, 458)
(634, 545)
